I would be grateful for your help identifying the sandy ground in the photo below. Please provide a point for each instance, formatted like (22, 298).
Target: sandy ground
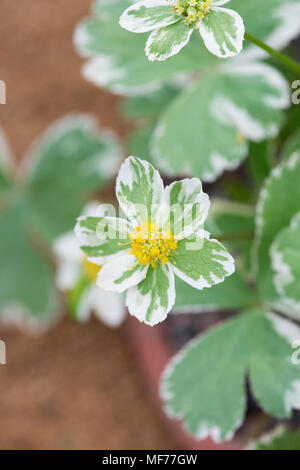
(76, 387)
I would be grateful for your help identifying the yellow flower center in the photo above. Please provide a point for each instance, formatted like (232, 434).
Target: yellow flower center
(151, 245)
(193, 11)
(91, 270)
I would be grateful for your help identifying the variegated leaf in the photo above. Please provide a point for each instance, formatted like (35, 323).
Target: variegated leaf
(204, 384)
(70, 161)
(223, 111)
(285, 256)
(279, 201)
(277, 23)
(27, 296)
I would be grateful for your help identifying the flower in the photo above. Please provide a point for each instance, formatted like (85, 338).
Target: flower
(161, 236)
(173, 21)
(76, 276)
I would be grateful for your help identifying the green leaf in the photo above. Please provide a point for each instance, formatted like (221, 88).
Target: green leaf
(277, 22)
(109, 10)
(148, 106)
(285, 255)
(204, 384)
(27, 294)
(279, 201)
(281, 438)
(223, 110)
(168, 41)
(292, 123)
(228, 218)
(260, 160)
(233, 224)
(67, 164)
(139, 143)
(292, 146)
(231, 294)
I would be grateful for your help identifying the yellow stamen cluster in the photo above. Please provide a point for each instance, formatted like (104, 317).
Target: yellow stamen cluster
(150, 245)
(192, 11)
(91, 270)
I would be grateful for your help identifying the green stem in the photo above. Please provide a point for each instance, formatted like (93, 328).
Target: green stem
(284, 59)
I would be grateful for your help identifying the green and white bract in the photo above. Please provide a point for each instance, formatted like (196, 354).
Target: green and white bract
(173, 21)
(76, 277)
(140, 255)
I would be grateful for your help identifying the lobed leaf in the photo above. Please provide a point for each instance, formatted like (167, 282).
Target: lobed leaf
(204, 384)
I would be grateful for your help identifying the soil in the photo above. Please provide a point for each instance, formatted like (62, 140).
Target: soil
(75, 387)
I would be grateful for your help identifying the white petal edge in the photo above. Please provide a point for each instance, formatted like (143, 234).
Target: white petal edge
(114, 269)
(201, 283)
(126, 176)
(188, 186)
(172, 52)
(66, 247)
(127, 22)
(219, 2)
(67, 275)
(109, 307)
(105, 71)
(138, 304)
(209, 38)
(91, 238)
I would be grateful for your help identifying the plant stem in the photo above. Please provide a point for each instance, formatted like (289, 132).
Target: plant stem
(284, 59)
